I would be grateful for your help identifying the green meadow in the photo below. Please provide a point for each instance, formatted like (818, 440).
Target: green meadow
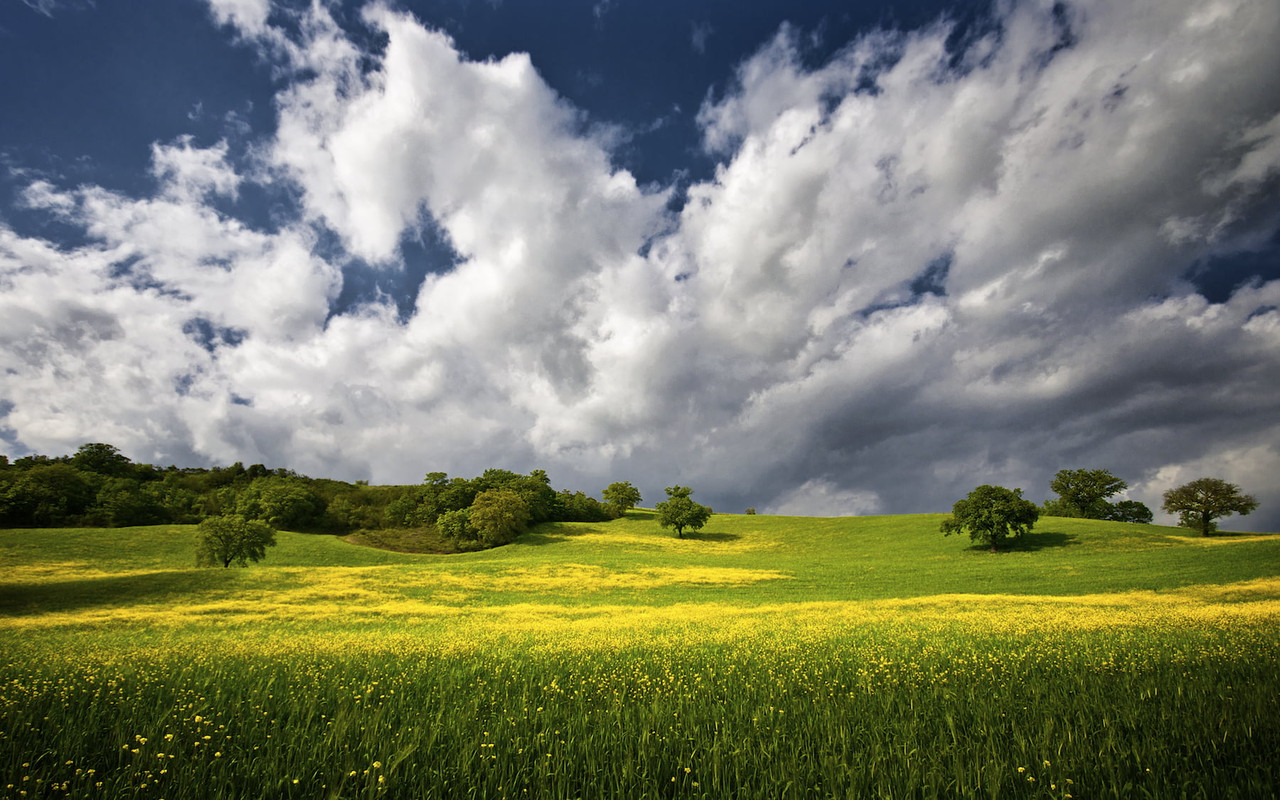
(767, 657)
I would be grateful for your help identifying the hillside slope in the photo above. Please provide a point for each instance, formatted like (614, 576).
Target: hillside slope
(68, 575)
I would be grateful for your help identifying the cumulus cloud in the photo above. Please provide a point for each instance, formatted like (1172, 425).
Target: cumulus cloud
(916, 269)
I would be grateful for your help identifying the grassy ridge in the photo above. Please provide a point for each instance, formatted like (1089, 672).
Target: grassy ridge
(765, 657)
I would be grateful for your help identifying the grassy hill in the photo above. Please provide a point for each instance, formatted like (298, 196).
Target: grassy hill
(736, 559)
(761, 657)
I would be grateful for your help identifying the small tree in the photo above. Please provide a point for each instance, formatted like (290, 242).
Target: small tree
(232, 538)
(679, 511)
(1200, 502)
(1084, 493)
(991, 515)
(621, 497)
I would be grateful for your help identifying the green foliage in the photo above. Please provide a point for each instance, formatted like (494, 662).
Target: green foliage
(751, 510)
(232, 539)
(1084, 493)
(499, 516)
(580, 507)
(679, 511)
(102, 458)
(1204, 500)
(47, 494)
(123, 502)
(455, 525)
(1057, 507)
(287, 503)
(99, 486)
(621, 497)
(1130, 511)
(992, 515)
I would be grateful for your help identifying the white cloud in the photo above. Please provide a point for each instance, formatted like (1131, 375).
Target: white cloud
(817, 498)
(190, 173)
(912, 273)
(247, 16)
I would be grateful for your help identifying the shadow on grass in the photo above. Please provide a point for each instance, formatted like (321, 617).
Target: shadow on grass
(1032, 542)
(27, 599)
(705, 536)
(537, 538)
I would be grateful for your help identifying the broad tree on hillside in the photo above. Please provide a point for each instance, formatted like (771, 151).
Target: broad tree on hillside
(1083, 493)
(232, 538)
(992, 515)
(621, 497)
(1201, 501)
(679, 511)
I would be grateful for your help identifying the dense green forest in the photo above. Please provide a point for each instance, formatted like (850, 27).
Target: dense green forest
(99, 486)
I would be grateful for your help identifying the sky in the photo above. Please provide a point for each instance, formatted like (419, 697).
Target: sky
(815, 257)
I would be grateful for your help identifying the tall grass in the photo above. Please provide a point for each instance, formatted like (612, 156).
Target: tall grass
(770, 658)
(888, 710)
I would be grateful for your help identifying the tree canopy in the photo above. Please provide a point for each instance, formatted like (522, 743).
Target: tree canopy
(1204, 500)
(232, 539)
(1084, 492)
(992, 515)
(499, 516)
(621, 497)
(679, 511)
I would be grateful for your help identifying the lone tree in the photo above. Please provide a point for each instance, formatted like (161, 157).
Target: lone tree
(621, 497)
(679, 511)
(1084, 493)
(232, 538)
(1200, 502)
(991, 515)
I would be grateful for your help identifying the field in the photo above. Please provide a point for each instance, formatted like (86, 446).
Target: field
(765, 657)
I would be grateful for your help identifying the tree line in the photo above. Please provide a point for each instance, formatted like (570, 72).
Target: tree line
(99, 486)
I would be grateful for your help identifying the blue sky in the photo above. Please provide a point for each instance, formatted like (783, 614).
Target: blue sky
(812, 257)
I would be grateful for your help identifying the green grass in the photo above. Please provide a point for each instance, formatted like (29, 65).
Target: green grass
(762, 657)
